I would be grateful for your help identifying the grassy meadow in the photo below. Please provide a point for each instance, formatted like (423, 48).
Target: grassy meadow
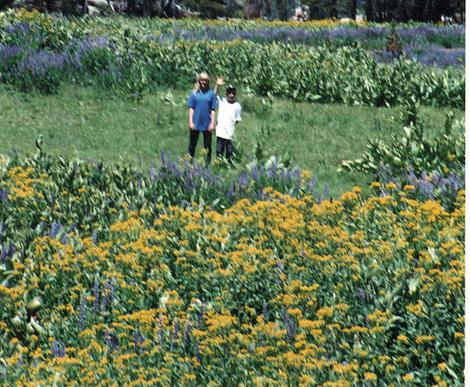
(90, 124)
(149, 270)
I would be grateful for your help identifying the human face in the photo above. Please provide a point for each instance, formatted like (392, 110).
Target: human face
(231, 96)
(204, 84)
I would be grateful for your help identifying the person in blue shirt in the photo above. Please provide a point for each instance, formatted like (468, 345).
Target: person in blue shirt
(202, 104)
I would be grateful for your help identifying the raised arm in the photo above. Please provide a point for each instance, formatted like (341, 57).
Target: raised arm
(219, 82)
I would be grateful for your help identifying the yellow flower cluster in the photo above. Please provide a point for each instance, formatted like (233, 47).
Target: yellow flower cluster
(281, 290)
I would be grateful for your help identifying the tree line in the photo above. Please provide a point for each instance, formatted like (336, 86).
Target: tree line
(372, 10)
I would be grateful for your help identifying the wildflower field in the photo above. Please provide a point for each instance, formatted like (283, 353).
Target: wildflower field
(105, 281)
(181, 274)
(328, 63)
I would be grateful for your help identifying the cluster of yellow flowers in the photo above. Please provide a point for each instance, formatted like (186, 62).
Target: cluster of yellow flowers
(313, 23)
(276, 291)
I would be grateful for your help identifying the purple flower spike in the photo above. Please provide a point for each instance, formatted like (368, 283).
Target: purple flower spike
(58, 349)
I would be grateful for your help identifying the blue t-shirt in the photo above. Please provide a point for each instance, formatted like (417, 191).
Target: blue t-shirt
(202, 103)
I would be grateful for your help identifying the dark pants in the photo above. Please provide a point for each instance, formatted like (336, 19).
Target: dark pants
(224, 145)
(193, 137)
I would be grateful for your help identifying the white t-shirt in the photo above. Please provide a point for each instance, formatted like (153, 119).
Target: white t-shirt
(229, 113)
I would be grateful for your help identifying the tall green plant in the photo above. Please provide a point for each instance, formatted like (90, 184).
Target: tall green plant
(413, 150)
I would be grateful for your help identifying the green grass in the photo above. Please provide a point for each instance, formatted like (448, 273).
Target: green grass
(87, 123)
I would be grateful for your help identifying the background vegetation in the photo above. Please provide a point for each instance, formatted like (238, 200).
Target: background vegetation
(89, 124)
(373, 10)
(169, 272)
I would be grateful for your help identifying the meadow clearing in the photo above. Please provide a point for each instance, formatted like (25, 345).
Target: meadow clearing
(121, 262)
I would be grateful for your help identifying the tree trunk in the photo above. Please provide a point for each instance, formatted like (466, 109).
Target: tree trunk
(252, 9)
(131, 6)
(146, 8)
(334, 9)
(419, 13)
(353, 9)
(369, 8)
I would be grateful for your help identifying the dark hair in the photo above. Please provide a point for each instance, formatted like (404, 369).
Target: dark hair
(231, 89)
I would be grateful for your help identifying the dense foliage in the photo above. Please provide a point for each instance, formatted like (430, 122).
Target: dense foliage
(374, 10)
(436, 165)
(40, 52)
(188, 275)
(102, 282)
(404, 10)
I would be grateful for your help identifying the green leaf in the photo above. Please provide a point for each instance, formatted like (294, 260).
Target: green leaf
(413, 285)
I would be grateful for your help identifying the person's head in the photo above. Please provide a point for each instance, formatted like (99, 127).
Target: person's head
(231, 94)
(203, 81)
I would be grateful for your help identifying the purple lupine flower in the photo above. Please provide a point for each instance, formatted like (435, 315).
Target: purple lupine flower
(152, 173)
(18, 28)
(55, 228)
(279, 268)
(11, 249)
(423, 34)
(108, 295)
(82, 314)
(4, 372)
(187, 335)
(4, 254)
(161, 336)
(94, 237)
(297, 181)
(96, 295)
(200, 315)
(231, 189)
(78, 49)
(176, 329)
(262, 171)
(455, 183)
(111, 340)
(7, 52)
(361, 294)
(426, 188)
(411, 178)
(326, 191)
(188, 183)
(243, 180)
(435, 178)
(41, 62)
(3, 195)
(255, 173)
(312, 184)
(290, 325)
(65, 239)
(272, 170)
(197, 353)
(437, 56)
(174, 338)
(58, 349)
(138, 340)
(286, 176)
(163, 159)
(265, 311)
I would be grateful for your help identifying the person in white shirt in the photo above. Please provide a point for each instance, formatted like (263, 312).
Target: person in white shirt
(229, 114)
